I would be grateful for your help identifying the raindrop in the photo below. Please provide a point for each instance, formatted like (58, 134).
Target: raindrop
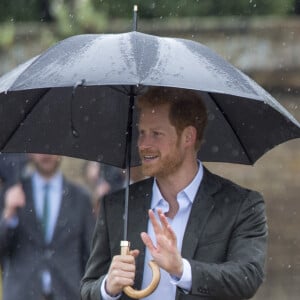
(99, 157)
(215, 149)
(75, 133)
(235, 153)
(211, 117)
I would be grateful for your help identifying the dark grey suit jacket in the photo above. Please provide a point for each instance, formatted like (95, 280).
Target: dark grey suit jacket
(26, 255)
(224, 241)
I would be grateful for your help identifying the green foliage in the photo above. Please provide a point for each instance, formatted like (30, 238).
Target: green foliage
(19, 10)
(83, 19)
(183, 8)
(30, 10)
(7, 35)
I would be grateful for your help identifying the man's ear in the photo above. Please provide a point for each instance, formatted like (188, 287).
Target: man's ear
(190, 135)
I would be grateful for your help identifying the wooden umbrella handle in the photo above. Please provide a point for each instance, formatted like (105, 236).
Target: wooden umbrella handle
(135, 294)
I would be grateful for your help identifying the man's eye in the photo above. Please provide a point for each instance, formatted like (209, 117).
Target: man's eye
(156, 133)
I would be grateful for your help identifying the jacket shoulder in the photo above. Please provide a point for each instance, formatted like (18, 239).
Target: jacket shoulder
(224, 186)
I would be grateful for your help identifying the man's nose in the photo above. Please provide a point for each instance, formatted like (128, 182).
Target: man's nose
(144, 142)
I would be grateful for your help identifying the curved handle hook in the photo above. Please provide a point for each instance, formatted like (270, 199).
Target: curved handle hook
(135, 294)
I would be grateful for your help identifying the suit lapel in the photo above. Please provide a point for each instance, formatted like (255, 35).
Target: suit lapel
(202, 206)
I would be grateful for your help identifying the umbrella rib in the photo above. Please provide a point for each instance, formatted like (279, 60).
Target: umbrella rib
(25, 117)
(233, 130)
(124, 91)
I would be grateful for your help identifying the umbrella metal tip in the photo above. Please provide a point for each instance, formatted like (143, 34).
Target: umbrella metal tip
(135, 8)
(125, 244)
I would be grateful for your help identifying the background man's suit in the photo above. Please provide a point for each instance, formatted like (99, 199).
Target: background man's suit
(27, 255)
(224, 241)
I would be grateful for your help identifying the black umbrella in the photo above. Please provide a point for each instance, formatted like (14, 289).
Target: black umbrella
(74, 99)
(77, 99)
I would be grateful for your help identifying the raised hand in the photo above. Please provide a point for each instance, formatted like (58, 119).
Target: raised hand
(14, 199)
(165, 253)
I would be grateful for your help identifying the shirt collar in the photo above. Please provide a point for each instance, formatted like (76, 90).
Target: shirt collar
(190, 190)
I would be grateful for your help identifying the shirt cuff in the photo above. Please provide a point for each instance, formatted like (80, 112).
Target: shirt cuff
(185, 282)
(104, 294)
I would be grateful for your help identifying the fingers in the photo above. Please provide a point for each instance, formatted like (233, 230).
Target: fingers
(121, 273)
(167, 227)
(134, 253)
(14, 198)
(163, 227)
(148, 242)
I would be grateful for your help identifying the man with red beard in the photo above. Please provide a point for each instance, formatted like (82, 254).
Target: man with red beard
(207, 234)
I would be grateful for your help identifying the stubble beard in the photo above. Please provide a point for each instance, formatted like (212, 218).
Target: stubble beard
(163, 168)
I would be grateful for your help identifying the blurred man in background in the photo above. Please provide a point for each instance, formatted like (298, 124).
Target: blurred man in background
(45, 232)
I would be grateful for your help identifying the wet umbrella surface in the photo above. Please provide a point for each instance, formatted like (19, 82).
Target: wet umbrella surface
(75, 99)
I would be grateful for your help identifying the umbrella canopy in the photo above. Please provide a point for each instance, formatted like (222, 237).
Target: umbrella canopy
(74, 99)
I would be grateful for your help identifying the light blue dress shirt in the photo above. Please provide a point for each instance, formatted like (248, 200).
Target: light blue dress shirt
(167, 287)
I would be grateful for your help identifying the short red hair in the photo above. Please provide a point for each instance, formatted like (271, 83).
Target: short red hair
(186, 108)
